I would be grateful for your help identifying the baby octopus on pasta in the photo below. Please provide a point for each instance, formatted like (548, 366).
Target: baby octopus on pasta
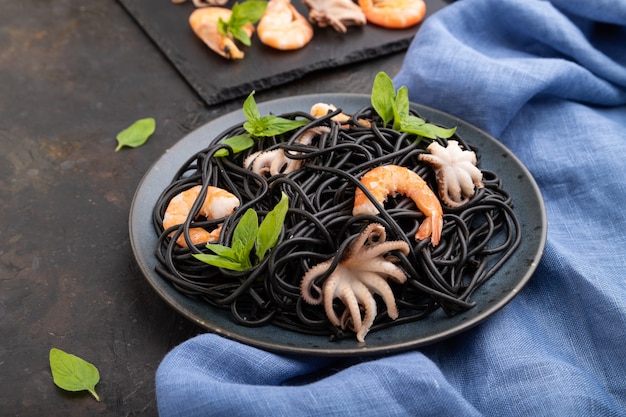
(363, 271)
(456, 171)
(276, 161)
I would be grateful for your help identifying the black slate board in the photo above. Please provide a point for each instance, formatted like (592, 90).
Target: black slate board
(217, 79)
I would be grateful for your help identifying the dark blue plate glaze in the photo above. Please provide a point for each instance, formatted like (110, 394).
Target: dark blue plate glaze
(489, 298)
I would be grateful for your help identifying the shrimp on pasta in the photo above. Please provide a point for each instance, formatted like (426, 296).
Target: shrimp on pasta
(217, 203)
(391, 179)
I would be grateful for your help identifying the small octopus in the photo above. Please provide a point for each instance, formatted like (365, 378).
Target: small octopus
(277, 161)
(336, 13)
(456, 171)
(363, 271)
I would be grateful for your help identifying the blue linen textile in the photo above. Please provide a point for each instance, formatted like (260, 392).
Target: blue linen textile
(548, 78)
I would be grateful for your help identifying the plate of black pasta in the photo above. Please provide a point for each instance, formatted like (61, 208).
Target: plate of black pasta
(329, 271)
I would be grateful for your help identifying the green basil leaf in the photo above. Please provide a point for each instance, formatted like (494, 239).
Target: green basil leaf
(72, 373)
(241, 251)
(268, 125)
(242, 14)
(415, 125)
(402, 101)
(401, 107)
(442, 132)
(383, 97)
(136, 134)
(271, 226)
(247, 227)
(237, 143)
(241, 35)
(251, 126)
(222, 26)
(250, 109)
(238, 249)
(244, 235)
(412, 122)
(274, 125)
(256, 127)
(247, 12)
(221, 250)
(219, 262)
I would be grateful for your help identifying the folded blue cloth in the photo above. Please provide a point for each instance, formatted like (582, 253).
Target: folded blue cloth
(548, 78)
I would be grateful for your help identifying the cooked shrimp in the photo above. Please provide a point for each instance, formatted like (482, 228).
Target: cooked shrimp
(283, 27)
(392, 179)
(204, 23)
(218, 203)
(394, 14)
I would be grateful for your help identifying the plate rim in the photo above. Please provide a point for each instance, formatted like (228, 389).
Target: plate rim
(165, 291)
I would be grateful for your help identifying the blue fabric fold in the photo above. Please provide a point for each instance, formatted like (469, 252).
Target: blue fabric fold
(548, 79)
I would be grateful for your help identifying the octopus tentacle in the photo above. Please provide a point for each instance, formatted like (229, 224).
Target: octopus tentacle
(370, 309)
(308, 283)
(384, 290)
(346, 292)
(384, 247)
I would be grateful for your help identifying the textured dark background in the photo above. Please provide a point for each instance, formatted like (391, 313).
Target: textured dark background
(72, 75)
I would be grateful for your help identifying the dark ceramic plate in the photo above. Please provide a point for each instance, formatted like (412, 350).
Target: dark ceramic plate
(489, 298)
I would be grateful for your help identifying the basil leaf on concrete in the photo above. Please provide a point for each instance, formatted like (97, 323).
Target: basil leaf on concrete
(72, 373)
(136, 134)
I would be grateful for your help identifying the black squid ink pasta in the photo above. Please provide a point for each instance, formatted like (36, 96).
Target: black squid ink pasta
(477, 238)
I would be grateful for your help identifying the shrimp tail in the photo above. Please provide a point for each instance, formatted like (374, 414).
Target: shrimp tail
(431, 226)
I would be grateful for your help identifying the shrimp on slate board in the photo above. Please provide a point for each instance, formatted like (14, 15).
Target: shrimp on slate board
(283, 27)
(204, 23)
(394, 14)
